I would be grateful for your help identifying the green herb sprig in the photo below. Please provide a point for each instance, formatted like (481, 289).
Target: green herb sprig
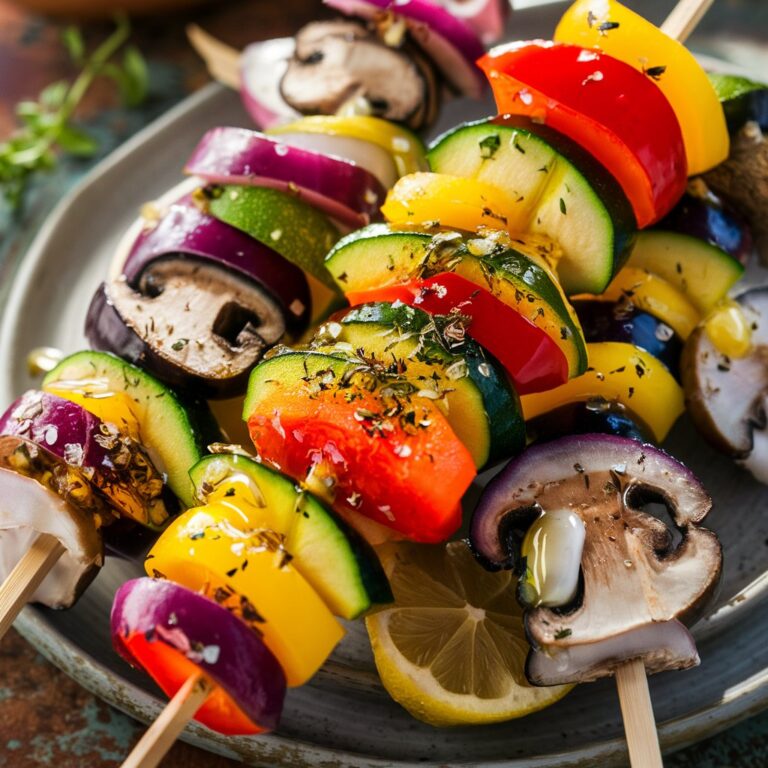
(47, 128)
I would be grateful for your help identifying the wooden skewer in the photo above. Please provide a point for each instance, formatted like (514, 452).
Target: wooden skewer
(631, 681)
(223, 61)
(684, 18)
(637, 712)
(26, 577)
(163, 732)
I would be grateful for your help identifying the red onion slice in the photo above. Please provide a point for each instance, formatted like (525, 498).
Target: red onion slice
(185, 229)
(486, 17)
(340, 188)
(450, 42)
(114, 463)
(262, 66)
(208, 636)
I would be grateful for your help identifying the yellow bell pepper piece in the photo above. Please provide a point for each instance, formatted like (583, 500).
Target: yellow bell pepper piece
(625, 35)
(620, 373)
(654, 295)
(453, 201)
(95, 397)
(249, 572)
(406, 148)
(729, 329)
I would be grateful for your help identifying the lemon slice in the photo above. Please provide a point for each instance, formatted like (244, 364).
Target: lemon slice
(452, 649)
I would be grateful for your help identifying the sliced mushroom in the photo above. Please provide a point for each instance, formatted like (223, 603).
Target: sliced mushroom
(28, 509)
(742, 181)
(194, 325)
(340, 62)
(636, 572)
(727, 395)
(662, 646)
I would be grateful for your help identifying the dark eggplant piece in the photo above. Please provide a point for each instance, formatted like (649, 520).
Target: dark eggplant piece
(742, 181)
(726, 395)
(337, 63)
(185, 230)
(609, 321)
(639, 579)
(702, 214)
(596, 416)
(194, 325)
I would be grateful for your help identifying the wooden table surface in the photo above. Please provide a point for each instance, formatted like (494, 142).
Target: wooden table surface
(47, 719)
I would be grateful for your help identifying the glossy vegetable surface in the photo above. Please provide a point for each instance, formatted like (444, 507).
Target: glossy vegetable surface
(186, 230)
(619, 373)
(615, 29)
(604, 105)
(385, 452)
(530, 357)
(261, 498)
(339, 188)
(556, 189)
(172, 633)
(249, 572)
(114, 462)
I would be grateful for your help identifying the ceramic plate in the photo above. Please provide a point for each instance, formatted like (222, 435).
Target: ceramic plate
(344, 717)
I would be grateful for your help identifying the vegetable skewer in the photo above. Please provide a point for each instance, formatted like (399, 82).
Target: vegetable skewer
(631, 681)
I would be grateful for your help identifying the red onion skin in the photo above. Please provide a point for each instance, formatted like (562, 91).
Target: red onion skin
(341, 189)
(57, 425)
(220, 644)
(267, 61)
(187, 230)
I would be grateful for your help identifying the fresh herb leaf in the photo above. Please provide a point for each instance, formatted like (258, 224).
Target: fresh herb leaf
(655, 73)
(46, 125)
(77, 142)
(489, 146)
(73, 42)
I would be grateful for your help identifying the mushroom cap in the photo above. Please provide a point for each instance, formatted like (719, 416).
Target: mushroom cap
(28, 509)
(726, 396)
(662, 646)
(634, 572)
(337, 61)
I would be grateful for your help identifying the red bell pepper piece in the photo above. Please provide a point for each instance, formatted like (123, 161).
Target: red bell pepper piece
(614, 111)
(170, 669)
(531, 358)
(398, 463)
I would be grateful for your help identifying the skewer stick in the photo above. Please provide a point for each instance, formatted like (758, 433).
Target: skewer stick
(631, 681)
(26, 577)
(636, 709)
(684, 18)
(163, 732)
(223, 61)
